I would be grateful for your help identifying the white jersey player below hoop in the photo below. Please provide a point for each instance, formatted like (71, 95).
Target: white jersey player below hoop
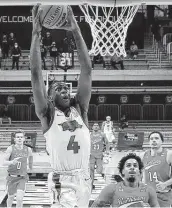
(108, 129)
(64, 121)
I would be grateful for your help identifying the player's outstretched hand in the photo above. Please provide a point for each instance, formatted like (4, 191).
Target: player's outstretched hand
(15, 161)
(161, 186)
(37, 27)
(71, 21)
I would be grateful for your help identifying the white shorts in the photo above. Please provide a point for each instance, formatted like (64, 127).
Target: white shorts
(69, 198)
(110, 136)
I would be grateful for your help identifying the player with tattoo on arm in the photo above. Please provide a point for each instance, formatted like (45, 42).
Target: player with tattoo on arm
(130, 192)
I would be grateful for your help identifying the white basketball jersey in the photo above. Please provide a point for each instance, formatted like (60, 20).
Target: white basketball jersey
(68, 142)
(108, 127)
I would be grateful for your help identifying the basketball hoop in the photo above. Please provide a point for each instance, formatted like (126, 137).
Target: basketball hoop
(108, 34)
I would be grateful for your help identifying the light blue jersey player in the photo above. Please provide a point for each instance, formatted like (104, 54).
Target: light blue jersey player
(17, 157)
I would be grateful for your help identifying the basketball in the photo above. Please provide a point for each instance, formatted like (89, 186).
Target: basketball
(53, 17)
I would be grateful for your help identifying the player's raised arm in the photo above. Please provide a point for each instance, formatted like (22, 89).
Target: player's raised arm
(37, 81)
(84, 83)
(85, 79)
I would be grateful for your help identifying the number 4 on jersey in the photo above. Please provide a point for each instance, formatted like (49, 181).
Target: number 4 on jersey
(73, 145)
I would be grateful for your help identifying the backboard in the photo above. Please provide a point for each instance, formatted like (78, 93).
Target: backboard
(105, 3)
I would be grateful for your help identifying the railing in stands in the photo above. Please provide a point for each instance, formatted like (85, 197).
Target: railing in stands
(2, 106)
(135, 112)
(18, 112)
(167, 38)
(108, 110)
(157, 51)
(160, 58)
(33, 116)
(92, 112)
(168, 112)
(169, 51)
(153, 41)
(153, 112)
(132, 111)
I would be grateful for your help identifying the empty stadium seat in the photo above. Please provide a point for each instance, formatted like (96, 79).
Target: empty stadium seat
(168, 112)
(92, 112)
(132, 111)
(33, 116)
(18, 112)
(108, 110)
(153, 112)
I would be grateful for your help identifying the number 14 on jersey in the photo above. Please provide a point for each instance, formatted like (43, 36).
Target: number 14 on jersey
(153, 176)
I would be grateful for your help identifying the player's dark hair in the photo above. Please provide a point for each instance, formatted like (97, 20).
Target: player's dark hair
(96, 123)
(53, 85)
(127, 157)
(58, 84)
(157, 132)
(18, 131)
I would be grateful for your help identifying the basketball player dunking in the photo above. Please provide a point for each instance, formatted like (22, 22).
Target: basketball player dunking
(16, 159)
(157, 162)
(130, 192)
(64, 120)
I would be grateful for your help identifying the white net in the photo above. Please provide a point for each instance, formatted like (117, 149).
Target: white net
(109, 34)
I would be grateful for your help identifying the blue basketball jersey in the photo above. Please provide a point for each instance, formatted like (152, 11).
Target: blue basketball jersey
(21, 167)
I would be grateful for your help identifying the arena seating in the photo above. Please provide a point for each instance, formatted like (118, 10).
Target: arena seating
(147, 59)
(165, 128)
(135, 112)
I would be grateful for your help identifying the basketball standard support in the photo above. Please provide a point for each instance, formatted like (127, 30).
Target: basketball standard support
(105, 3)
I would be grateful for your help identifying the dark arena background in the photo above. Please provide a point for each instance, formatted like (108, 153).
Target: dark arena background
(20, 19)
(139, 88)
